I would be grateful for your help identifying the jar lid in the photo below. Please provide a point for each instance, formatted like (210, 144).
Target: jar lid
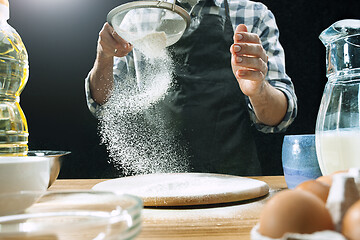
(4, 2)
(340, 29)
(4, 9)
(342, 42)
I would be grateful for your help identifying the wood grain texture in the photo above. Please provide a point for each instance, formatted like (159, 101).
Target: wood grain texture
(210, 222)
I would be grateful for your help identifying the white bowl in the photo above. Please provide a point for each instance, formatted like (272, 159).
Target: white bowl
(24, 178)
(55, 160)
(24, 174)
(34, 172)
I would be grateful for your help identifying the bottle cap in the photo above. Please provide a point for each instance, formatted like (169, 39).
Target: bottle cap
(4, 9)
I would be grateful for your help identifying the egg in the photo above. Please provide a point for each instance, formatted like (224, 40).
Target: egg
(295, 211)
(328, 178)
(318, 188)
(351, 222)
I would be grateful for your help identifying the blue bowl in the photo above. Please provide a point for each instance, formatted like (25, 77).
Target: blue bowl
(299, 159)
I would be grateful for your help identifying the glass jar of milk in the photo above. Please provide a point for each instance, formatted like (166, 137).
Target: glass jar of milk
(338, 122)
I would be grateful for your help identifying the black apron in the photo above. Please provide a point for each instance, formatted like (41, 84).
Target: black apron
(205, 104)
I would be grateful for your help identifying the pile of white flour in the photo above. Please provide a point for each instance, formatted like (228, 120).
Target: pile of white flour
(131, 126)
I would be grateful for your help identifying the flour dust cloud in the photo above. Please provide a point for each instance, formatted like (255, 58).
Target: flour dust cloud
(132, 126)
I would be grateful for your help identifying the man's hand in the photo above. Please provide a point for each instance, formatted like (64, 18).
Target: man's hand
(110, 44)
(249, 64)
(248, 61)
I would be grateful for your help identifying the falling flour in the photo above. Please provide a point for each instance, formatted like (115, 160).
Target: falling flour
(152, 45)
(132, 126)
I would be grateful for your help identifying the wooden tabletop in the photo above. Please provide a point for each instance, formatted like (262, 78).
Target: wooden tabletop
(221, 221)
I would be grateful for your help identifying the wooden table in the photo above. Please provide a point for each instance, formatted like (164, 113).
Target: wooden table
(223, 221)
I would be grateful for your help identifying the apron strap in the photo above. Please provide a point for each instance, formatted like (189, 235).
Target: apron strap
(227, 9)
(197, 8)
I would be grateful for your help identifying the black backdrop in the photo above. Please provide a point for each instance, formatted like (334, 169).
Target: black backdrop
(61, 36)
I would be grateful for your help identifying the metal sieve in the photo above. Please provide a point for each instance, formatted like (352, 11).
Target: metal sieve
(135, 20)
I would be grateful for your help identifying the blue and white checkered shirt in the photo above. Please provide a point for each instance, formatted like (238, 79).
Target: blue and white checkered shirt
(258, 19)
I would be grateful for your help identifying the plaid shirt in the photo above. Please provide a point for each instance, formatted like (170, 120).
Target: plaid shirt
(259, 20)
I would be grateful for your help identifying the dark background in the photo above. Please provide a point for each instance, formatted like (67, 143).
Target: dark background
(61, 38)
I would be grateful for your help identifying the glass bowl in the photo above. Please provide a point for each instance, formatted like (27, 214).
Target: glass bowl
(17, 202)
(79, 215)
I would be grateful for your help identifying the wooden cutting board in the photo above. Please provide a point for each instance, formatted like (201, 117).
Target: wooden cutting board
(184, 189)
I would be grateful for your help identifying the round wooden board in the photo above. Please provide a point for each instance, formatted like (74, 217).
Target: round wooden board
(184, 189)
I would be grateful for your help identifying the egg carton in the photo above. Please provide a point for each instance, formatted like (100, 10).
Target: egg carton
(344, 191)
(323, 235)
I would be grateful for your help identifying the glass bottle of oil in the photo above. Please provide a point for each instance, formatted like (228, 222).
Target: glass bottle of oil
(14, 71)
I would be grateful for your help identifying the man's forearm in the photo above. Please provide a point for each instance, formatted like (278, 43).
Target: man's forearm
(101, 80)
(270, 105)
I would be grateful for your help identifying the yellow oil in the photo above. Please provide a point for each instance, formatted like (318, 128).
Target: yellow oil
(14, 71)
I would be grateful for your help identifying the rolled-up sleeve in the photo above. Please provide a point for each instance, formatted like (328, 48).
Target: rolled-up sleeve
(122, 67)
(92, 105)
